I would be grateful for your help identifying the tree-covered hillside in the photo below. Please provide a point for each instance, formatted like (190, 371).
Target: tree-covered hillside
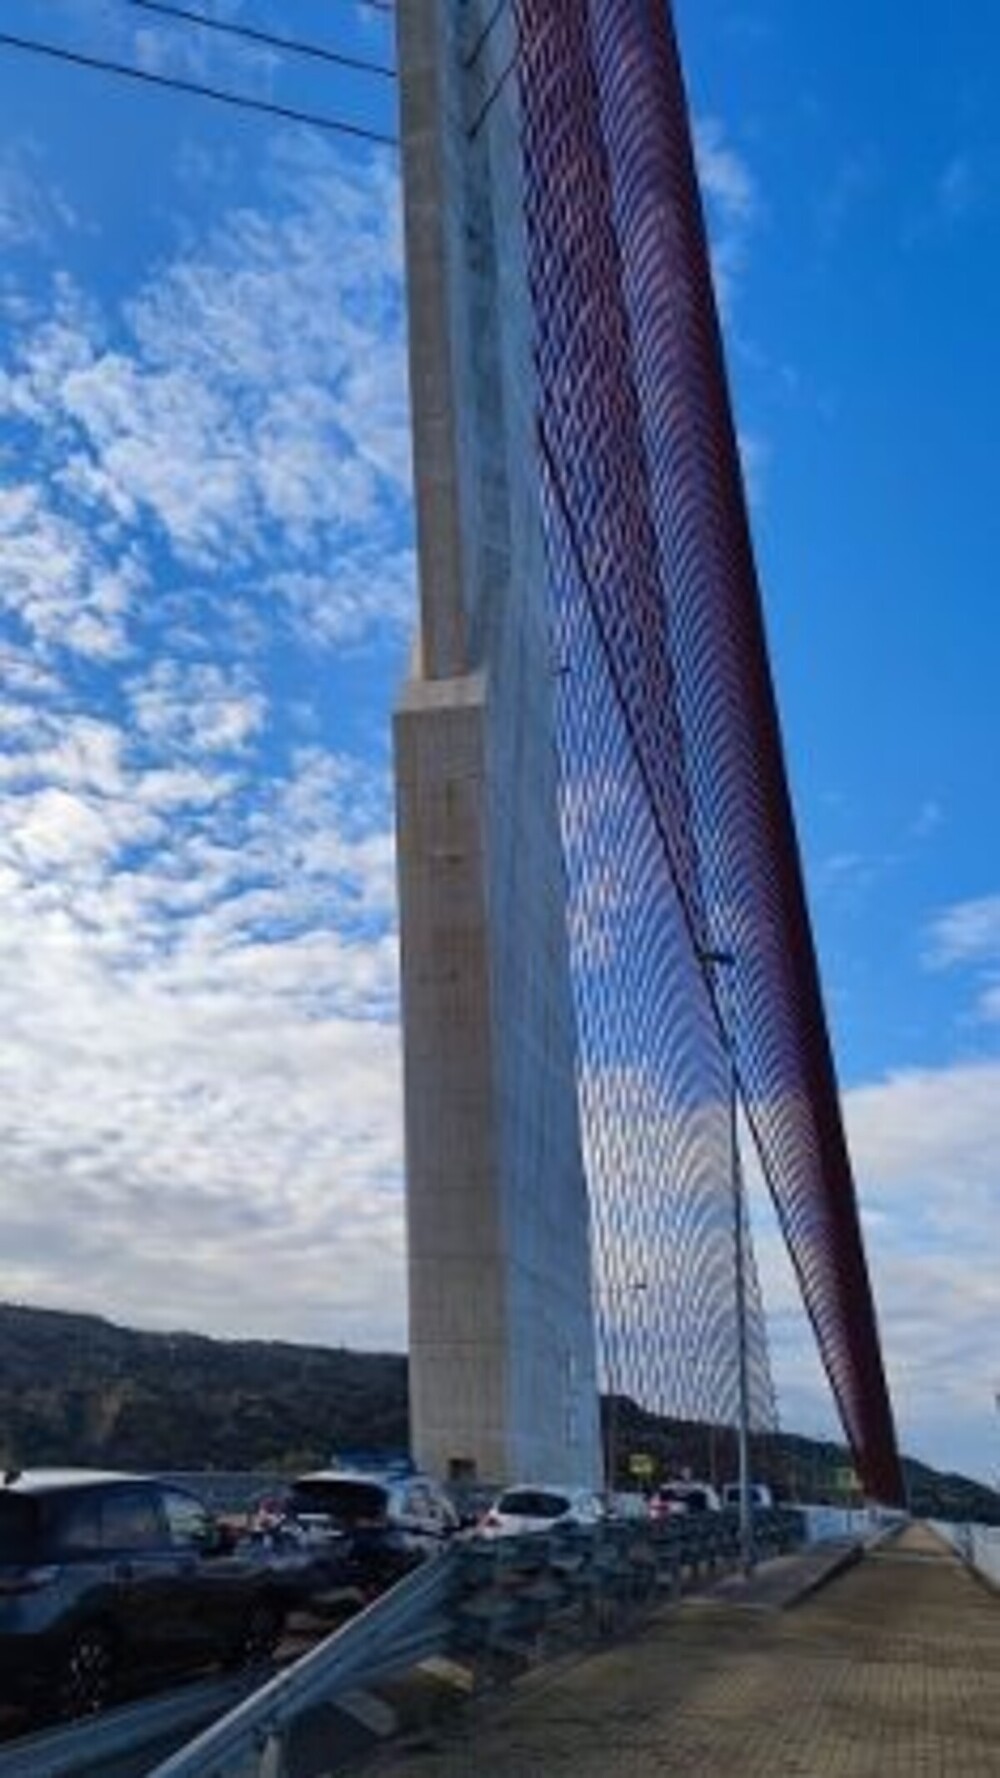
(76, 1389)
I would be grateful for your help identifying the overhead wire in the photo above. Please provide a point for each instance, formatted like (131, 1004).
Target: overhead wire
(484, 35)
(251, 34)
(220, 95)
(492, 97)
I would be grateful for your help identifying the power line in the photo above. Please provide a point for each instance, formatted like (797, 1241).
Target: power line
(488, 103)
(481, 40)
(250, 34)
(55, 52)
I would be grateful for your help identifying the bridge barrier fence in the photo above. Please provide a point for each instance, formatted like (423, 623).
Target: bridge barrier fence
(863, 1524)
(494, 1605)
(978, 1545)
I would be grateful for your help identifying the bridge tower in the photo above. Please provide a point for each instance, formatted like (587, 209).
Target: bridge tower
(502, 1346)
(577, 476)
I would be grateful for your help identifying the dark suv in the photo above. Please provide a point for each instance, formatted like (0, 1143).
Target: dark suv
(103, 1576)
(371, 1529)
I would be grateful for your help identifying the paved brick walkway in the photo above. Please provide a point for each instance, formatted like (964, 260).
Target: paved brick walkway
(891, 1671)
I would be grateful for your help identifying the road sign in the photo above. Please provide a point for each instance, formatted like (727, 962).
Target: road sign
(642, 1466)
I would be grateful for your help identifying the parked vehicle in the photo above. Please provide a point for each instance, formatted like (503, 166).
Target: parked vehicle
(627, 1505)
(675, 1498)
(761, 1496)
(535, 1507)
(371, 1529)
(104, 1576)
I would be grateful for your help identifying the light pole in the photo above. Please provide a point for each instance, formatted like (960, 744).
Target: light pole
(628, 1287)
(725, 960)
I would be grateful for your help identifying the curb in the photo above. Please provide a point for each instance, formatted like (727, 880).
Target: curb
(838, 1564)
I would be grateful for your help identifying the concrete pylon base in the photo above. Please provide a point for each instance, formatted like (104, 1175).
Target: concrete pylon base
(501, 1337)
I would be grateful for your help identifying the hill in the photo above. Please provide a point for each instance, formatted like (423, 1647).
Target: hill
(78, 1389)
(75, 1388)
(797, 1468)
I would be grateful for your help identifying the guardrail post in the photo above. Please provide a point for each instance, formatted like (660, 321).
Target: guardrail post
(272, 1758)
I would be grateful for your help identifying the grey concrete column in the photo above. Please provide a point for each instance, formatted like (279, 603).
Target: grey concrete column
(503, 1375)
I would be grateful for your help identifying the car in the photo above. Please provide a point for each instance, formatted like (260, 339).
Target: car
(371, 1527)
(673, 1499)
(533, 1507)
(761, 1496)
(105, 1576)
(627, 1506)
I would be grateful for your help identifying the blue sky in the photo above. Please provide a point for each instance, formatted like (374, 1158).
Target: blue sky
(206, 597)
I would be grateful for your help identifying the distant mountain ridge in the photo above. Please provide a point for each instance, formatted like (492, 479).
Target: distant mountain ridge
(79, 1389)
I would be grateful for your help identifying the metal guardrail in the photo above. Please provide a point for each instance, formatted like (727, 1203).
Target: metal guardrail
(97, 1744)
(484, 1602)
(399, 1630)
(488, 1604)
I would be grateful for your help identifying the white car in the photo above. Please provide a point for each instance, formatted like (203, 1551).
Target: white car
(533, 1506)
(674, 1499)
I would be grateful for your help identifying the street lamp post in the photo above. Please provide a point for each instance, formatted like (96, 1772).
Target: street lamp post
(726, 960)
(628, 1287)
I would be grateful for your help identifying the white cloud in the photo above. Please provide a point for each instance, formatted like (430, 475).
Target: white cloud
(67, 587)
(365, 594)
(199, 1058)
(854, 183)
(755, 458)
(196, 707)
(969, 932)
(925, 1143)
(968, 935)
(732, 202)
(724, 174)
(33, 211)
(955, 190)
(246, 411)
(927, 820)
(933, 1132)
(199, 1052)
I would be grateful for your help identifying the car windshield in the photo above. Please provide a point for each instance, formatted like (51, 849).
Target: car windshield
(346, 1502)
(532, 1503)
(19, 1523)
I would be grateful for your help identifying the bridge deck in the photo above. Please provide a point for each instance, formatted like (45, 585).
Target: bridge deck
(889, 1672)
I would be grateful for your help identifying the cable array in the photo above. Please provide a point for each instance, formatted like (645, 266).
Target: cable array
(655, 1078)
(679, 835)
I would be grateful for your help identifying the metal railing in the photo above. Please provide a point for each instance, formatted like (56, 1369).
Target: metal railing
(863, 1524)
(978, 1545)
(95, 1746)
(402, 1628)
(486, 1604)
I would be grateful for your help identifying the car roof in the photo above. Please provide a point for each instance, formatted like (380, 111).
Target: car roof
(570, 1489)
(53, 1481)
(357, 1478)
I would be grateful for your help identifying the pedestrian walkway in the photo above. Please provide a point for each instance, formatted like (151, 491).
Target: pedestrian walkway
(890, 1671)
